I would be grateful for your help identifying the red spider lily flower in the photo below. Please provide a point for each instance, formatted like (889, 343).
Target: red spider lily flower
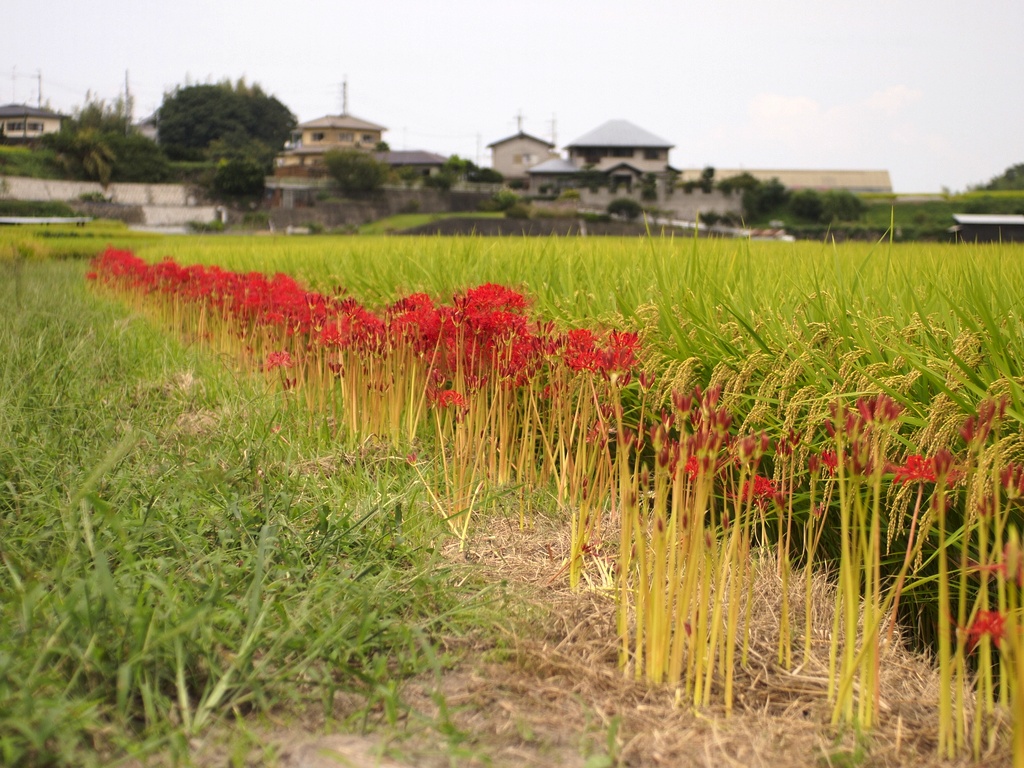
(916, 469)
(1012, 479)
(991, 623)
(830, 462)
(450, 397)
(692, 467)
(759, 490)
(278, 360)
(881, 409)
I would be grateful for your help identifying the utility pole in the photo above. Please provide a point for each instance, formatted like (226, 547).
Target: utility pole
(554, 130)
(128, 105)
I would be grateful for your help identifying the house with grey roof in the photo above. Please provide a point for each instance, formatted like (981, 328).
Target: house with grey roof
(618, 151)
(418, 161)
(20, 123)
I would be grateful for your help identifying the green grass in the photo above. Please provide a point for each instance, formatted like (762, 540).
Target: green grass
(403, 221)
(62, 241)
(180, 546)
(34, 163)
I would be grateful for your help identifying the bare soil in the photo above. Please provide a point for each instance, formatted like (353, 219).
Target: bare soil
(548, 691)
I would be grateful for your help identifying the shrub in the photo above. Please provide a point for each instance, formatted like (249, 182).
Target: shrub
(841, 205)
(807, 205)
(518, 211)
(356, 173)
(625, 207)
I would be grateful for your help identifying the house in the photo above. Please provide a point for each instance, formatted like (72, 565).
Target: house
(620, 153)
(20, 123)
(414, 162)
(148, 127)
(858, 182)
(304, 154)
(987, 228)
(512, 157)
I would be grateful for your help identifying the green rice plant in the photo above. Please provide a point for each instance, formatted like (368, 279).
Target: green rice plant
(779, 334)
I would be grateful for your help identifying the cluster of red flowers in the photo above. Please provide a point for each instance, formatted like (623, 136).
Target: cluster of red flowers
(484, 332)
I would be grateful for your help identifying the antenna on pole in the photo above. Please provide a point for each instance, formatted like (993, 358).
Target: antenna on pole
(519, 120)
(554, 130)
(344, 95)
(39, 92)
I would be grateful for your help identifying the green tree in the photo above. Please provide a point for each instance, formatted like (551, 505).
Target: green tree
(841, 205)
(194, 117)
(454, 170)
(356, 173)
(239, 177)
(137, 159)
(807, 204)
(97, 143)
(1011, 178)
(83, 154)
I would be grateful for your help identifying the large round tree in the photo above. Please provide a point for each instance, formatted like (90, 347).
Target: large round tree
(193, 117)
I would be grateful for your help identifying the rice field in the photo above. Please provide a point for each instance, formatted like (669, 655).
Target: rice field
(688, 409)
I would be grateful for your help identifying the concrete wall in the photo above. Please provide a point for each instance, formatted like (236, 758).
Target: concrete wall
(155, 205)
(675, 205)
(306, 209)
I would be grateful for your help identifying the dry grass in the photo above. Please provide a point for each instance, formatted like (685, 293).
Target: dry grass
(555, 694)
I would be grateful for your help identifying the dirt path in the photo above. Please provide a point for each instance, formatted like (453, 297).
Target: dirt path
(549, 692)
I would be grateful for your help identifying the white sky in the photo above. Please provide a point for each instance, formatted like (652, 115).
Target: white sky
(931, 90)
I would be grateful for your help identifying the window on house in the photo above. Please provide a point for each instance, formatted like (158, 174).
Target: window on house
(622, 152)
(19, 126)
(345, 136)
(35, 127)
(367, 137)
(317, 136)
(517, 159)
(652, 154)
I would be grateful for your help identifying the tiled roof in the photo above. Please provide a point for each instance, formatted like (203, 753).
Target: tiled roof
(554, 166)
(342, 121)
(521, 135)
(20, 110)
(410, 157)
(620, 133)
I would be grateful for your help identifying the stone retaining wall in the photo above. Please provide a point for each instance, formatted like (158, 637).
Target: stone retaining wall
(155, 205)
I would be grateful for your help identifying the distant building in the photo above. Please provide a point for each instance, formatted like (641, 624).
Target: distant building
(987, 228)
(148, 127)
(304, 154)
(20, 123)
(514, 156)
(821, 181)
(620, 144)
(619, 151)
(422, 162)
